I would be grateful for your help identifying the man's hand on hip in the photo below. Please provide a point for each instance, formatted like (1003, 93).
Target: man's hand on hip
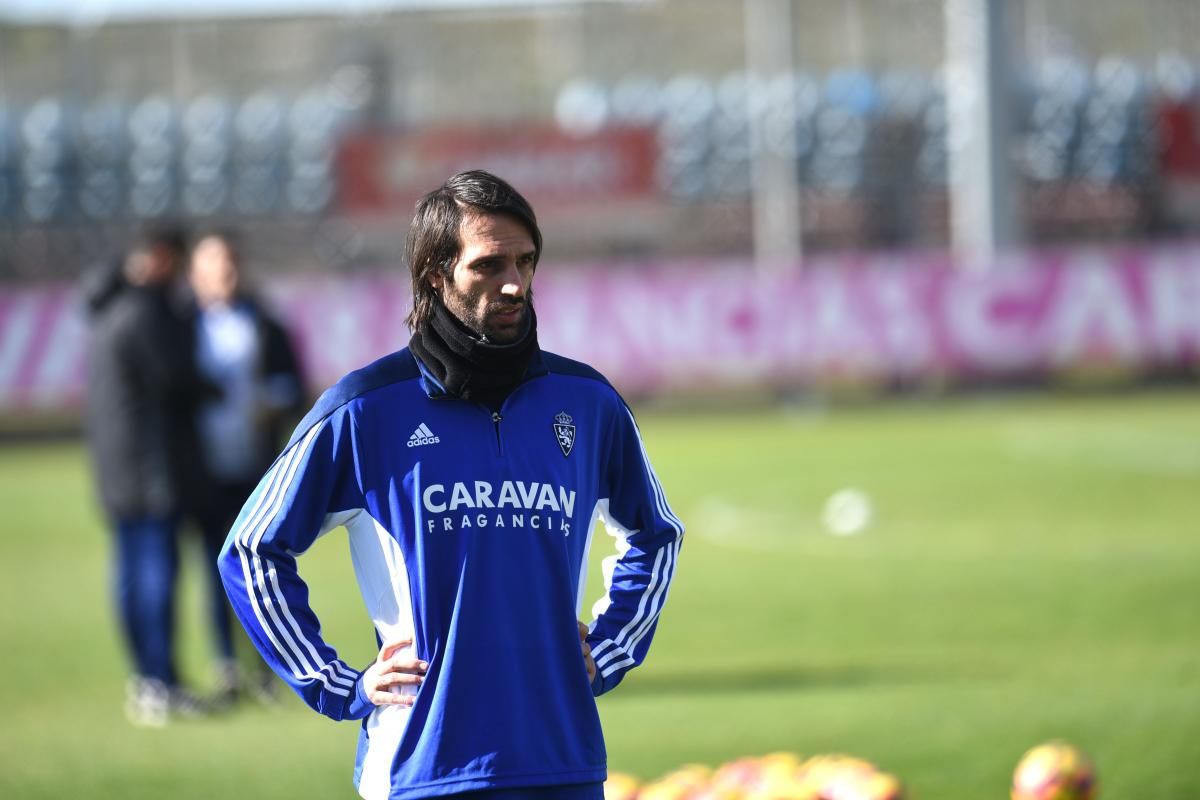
(383, 679)
(588, 661)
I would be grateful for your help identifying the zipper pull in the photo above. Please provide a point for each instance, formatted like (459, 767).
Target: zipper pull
(496, 417)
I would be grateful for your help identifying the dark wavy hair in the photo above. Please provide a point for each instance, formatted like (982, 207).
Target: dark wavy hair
(434, 242)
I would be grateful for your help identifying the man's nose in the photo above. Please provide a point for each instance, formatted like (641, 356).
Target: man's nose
(511, 284)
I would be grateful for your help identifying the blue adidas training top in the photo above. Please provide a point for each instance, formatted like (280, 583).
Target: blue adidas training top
(469, 531)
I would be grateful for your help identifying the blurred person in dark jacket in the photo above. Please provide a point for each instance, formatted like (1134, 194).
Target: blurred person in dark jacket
(141, 395)
(244, 351)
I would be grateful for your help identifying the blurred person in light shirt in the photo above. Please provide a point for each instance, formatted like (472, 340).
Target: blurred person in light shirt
(244, 350)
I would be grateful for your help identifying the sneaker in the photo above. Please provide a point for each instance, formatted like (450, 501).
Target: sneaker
(265, 688)
(146, 702)
(236, 683)
(183, 703)
(229, 683)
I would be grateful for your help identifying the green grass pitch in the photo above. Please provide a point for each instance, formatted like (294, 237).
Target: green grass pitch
(1032, 572)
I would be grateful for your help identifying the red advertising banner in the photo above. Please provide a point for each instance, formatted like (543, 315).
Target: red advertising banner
(1179, 162)
(379, 172)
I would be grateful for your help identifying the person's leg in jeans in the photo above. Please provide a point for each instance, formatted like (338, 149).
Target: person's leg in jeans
(146, 566)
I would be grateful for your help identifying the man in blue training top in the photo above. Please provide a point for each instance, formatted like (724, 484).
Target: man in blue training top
(469, 470)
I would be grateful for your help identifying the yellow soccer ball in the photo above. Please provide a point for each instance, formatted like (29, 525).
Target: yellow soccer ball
(689, 782)
(865, 786)
(841, 777)
(1054, 771)
(620, 786)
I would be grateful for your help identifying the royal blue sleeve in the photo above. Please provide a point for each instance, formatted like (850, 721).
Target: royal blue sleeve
(297, 500)
(633, 508)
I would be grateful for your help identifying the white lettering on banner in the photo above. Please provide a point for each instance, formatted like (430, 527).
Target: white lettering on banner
(706, 323)
(345, 325)
(633, 323)
(483, 495)
(585, 170)
(737, 345)
(786, 322)
(581, 304)
(674, 330)
(1173, 296)
(1091, 315)
(906, 333)
(760, 339)
(62, 357)
(689, 325)
(841, 340)
(983, 322)
(16, 338)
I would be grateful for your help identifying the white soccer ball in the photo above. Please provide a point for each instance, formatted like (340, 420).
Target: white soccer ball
(847, 512)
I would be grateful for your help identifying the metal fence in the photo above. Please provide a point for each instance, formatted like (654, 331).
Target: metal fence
(238, 122)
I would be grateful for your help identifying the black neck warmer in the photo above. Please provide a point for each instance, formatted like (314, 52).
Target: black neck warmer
(469, 366)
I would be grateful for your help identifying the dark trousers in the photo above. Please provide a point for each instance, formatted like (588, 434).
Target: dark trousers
(144, 572)
(223, 502)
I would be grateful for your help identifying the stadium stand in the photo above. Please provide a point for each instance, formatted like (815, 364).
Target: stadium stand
(870, 150)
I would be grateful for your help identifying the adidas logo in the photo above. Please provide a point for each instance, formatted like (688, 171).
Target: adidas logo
(422, 435)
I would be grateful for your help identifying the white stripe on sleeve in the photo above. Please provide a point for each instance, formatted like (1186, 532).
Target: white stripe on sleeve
(264, 580)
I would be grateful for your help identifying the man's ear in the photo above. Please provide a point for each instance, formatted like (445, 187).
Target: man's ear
(436, 280)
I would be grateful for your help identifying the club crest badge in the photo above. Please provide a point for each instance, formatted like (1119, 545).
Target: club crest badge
(564, 432)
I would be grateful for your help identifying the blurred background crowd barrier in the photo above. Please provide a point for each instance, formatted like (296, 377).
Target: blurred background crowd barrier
(633, 127)
(859, 324)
